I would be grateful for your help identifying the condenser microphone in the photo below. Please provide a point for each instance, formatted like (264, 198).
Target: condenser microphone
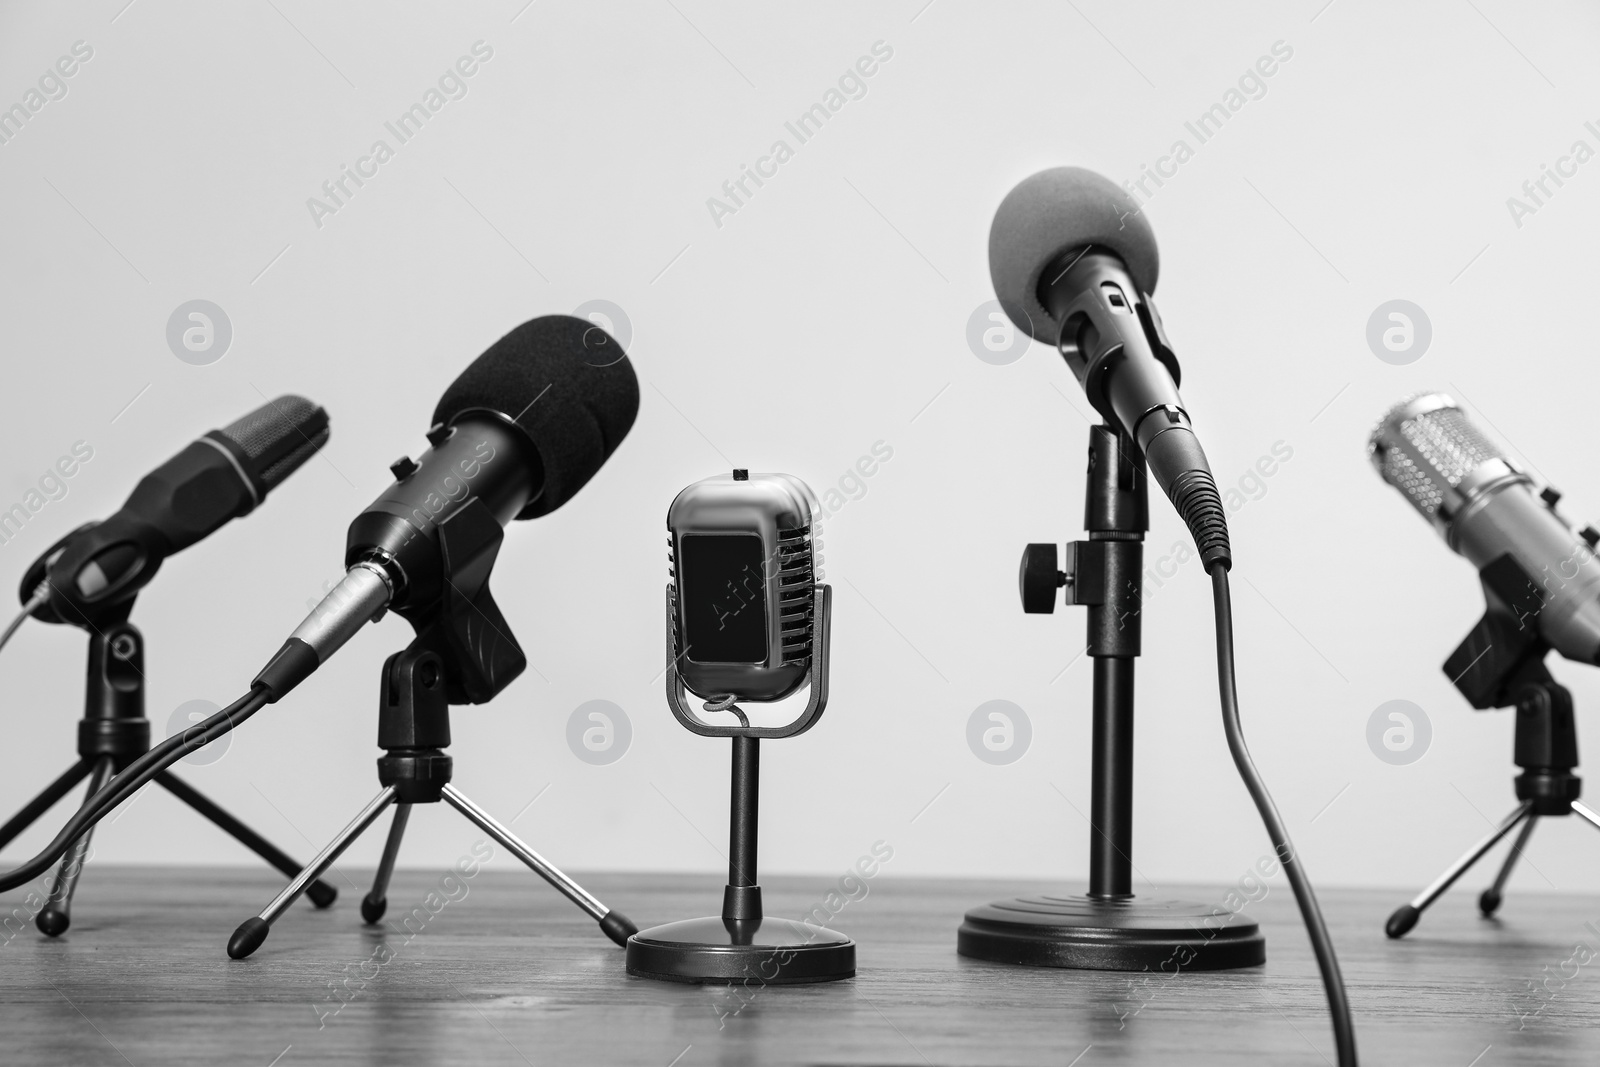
(516, 435)
(744, 567)
(1073, 262)
(1484, 507)
(98, 569)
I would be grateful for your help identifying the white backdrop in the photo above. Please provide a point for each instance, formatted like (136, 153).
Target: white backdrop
(830, 312)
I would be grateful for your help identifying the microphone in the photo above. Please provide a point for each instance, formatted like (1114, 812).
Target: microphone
(747, 620)
(744, 578)
(518, 433)
(1485, 509)
(95, 572)
(1073, 262)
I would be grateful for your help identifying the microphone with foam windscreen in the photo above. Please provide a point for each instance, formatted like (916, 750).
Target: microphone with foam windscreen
(520, 431)
(1484, 507)
(95, 572)
(1073, 262)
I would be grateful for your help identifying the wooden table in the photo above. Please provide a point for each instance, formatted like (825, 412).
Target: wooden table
(509, 973)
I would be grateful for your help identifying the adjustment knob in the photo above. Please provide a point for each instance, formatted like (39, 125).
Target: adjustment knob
(403, 468)
(1038, 579)
(1550, 495)
(1591, 535)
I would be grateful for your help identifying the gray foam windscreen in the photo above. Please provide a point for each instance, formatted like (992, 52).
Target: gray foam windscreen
(1055, 211)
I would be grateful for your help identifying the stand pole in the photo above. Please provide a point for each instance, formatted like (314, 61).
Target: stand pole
(1111, 803)
(742, 898)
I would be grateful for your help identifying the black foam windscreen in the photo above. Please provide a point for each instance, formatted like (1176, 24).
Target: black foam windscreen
(1056, 211)
(277, 437)
(567, 384)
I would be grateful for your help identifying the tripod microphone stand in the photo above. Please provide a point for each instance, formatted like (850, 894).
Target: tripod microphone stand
(463, 653)
(112, 733)
(1501, 664)
(1108, 928)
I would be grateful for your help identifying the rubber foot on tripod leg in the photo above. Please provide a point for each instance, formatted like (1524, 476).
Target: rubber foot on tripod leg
(1489, 903)
(322, 894)
(618, 927)
(372, 910)
(248, 937)
(1401, 922)
(53, 922)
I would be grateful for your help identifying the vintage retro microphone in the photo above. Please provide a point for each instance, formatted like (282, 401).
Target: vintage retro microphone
(517, 434)
(91, 578)
(1073, 262)
(746, 621)
(1541, 584)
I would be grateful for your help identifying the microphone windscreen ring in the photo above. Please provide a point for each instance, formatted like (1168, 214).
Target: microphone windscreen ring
(567, 384)
(1051, 213)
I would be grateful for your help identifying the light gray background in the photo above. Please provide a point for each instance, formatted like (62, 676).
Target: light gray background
(828, 314)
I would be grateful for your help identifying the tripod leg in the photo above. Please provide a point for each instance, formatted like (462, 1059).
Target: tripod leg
(1406, 916)
(54, 918)
(615, 925)
(44, 801)
(1584, 811)
(321, 893)
(374, 903)
(248, 937)
(1489, 901)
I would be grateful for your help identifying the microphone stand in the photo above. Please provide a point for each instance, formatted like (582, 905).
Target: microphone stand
(744, 944)
(1108, 929)
(1501, 664)
(113, 733)
(463, 654)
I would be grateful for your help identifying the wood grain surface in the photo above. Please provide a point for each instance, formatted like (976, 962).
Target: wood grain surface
(498, 969)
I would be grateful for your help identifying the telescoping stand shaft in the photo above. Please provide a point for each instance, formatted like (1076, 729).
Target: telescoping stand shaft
(1108, 928)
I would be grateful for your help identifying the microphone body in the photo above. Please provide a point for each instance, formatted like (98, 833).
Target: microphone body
(1485, 509)
(95, 572)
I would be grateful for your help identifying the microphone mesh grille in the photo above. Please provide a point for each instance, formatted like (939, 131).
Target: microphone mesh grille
(279, 436)
(1440, 435)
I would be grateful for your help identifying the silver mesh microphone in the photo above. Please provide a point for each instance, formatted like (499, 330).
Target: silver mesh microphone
(1484, 507)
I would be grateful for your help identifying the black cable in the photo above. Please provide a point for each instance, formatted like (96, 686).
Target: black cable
(131, 778)
(1344, 1034)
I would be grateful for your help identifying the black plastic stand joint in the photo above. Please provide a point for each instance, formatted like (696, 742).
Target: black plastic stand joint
(414, 726)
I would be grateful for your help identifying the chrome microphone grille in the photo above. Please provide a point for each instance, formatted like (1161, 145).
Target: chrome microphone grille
(1426, 446)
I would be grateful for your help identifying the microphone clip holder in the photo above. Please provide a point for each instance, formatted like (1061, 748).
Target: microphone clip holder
(1501, 663)
(743, 944)
(464, 626)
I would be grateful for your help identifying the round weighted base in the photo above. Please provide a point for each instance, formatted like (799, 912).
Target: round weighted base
(1111, 935)
(760, 952)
